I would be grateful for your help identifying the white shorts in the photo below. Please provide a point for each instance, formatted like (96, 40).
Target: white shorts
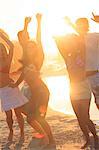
(11, 98)
(94, 83)
(80, 90)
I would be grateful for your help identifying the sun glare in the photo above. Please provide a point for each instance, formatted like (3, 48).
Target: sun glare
(59, 92)
(53, 12)
(11, 20)
(53, 19)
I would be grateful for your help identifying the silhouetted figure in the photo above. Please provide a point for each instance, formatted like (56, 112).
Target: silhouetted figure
(92, 58)
(73, 50)
(11, 98)
(32, 61)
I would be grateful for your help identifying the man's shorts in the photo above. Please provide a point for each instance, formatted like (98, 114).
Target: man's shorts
(94, 83)
(80, 90)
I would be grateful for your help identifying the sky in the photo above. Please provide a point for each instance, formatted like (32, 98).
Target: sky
(13, 12)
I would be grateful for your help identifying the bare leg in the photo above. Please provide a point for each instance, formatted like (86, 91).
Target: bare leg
(20, 122)
(47, 129)
(81, 109)
(9, 121)
(41, 111)
(92, 129)
(38, 127)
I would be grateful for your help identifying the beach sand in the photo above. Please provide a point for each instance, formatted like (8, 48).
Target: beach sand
(64, 127)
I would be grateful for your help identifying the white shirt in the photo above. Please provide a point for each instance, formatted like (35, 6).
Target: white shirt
(92, 51)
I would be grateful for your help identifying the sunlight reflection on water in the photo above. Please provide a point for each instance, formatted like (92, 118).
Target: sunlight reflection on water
(59, 96)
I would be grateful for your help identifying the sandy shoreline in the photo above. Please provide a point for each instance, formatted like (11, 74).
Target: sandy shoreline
(65, 130)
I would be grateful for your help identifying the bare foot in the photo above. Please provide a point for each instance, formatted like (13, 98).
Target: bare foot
(96, 143)
(44, 141)
(85, 145)
(50, 146)
(10, 137)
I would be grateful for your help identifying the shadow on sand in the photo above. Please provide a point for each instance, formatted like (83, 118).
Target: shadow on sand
(34, 144)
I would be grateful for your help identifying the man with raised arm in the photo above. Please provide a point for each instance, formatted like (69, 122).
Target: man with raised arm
(92, 57)
(76, 57)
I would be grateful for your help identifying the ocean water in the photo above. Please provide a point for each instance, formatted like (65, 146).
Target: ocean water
(60, 97)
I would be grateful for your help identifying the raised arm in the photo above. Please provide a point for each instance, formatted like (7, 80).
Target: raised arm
(10, 46)
(23, 35)
(40, 58)
(26, 22)
(38, 34)
(95, 18)
(25, 30)
(68, 21)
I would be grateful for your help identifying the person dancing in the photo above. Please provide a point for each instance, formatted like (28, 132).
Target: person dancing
(32, 61)
(72, 49)
(11, 98)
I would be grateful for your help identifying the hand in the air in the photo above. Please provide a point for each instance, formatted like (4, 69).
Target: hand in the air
(95, 18)
(38, 17)
(27, 20)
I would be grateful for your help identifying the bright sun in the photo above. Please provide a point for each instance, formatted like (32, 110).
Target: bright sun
(53, 12)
